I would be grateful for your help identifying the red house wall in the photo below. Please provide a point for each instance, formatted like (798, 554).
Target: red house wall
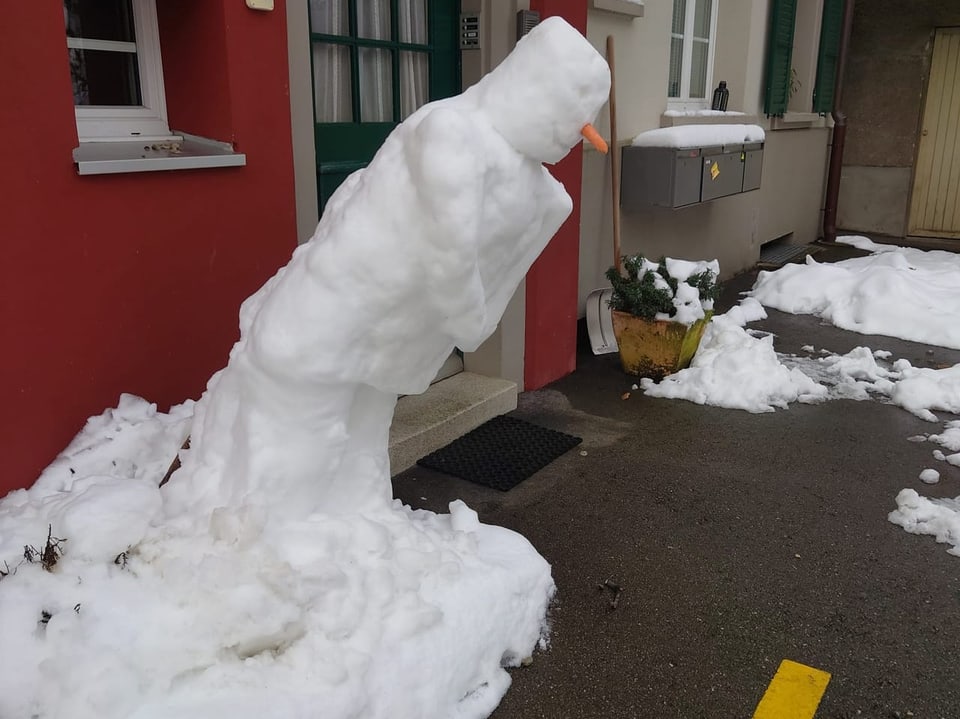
(132, 282)
(550, 342)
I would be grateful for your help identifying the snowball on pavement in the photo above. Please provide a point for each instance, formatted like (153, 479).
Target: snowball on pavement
(929, 476)
(939, 518)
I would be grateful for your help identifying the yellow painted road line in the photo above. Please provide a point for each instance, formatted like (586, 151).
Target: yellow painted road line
(794, 693)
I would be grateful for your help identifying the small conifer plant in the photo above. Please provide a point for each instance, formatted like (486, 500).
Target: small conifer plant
(646, 289)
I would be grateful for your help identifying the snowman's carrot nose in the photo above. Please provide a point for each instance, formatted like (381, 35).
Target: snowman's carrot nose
(593, 137)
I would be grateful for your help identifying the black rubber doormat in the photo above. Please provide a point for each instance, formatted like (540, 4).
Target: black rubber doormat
(500, 453)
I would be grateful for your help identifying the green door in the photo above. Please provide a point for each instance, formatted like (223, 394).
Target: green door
(374, 63)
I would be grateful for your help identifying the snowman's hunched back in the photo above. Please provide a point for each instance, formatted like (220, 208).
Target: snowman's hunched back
(421, 251)
(414, 255)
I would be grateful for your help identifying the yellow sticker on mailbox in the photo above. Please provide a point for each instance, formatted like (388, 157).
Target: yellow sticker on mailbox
(714, 170)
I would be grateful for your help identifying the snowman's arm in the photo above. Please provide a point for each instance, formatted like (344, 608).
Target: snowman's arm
(448, 166)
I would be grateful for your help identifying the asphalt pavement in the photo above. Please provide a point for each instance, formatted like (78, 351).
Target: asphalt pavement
(737, 540)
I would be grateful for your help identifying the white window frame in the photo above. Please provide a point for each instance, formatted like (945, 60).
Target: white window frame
(684, 101)
(102, 123)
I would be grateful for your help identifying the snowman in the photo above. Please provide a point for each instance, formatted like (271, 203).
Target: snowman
(415, 255)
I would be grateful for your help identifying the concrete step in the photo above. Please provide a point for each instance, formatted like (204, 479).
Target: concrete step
(449, 409)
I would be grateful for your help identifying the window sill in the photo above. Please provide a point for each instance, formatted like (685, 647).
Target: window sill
(675, 118)
(797, 121)
(620, 7)
(189, 153)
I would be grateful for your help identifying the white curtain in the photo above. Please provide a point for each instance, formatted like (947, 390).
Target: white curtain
(414, 66)
(376, 74)
(331, 62)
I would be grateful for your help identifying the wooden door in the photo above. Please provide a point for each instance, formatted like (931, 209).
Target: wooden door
(935, 207)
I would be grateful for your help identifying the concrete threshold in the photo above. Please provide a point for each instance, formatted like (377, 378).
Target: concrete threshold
(447, 410)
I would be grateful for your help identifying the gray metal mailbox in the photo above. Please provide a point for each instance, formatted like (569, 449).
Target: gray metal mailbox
(659, 176)
(722, 172)
(752, 166)
(679, 177)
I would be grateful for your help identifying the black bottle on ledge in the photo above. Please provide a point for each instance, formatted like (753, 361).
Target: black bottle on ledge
(720, 97)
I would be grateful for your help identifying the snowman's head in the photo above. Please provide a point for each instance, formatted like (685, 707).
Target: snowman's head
(541, 96)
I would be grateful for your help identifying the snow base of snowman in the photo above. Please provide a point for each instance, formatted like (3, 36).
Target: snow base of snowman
(400, 613)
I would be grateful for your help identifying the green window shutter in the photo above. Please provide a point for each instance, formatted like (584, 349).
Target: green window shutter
(783, 15)
(830, 28)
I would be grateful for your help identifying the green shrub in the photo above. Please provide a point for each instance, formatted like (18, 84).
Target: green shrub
(645, 291)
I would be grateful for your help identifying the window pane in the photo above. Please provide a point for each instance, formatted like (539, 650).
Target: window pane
(414, 82)
(698, 69)
(331, 83)
(99, 19)
(679, 15)
(701, 18)
(413, 21)
(676, 67)
(376, 85)
(373, 19)
(329, 17)
(104, 78)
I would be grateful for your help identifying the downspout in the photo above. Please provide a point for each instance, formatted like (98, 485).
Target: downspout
(839, 130)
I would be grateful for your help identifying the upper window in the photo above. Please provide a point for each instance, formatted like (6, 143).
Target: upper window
(692, 41)
(114, 50)
(802, 55)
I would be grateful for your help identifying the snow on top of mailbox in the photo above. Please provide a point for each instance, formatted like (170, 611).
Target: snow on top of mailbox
(699, 136)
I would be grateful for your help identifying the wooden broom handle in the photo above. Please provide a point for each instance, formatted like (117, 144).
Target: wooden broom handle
(614, 157)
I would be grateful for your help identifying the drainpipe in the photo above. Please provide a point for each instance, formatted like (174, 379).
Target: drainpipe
(839, 130)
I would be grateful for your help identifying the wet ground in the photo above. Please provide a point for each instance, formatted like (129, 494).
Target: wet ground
(738, 540)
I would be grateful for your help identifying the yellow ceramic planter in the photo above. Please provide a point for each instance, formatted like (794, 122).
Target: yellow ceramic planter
(656, 348)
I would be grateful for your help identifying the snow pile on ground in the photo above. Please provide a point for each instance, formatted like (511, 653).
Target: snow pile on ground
(377, 616)
(896, 291)
(737, 370)
(273, 575)
(934, 516)
(937, 517)
(922, 389)
(949, 439)
(858, 375)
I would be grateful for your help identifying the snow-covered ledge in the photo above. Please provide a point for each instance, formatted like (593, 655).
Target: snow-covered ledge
(630, 8)
(673, 118)
(690, 136)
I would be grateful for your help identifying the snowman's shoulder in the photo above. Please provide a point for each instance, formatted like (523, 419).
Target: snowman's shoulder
(445, 127)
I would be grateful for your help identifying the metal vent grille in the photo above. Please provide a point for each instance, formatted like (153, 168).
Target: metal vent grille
(526, 21)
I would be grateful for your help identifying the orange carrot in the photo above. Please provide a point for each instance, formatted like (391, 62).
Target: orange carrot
(593, 137)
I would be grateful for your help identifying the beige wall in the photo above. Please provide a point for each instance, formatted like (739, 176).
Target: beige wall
(730, 229)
